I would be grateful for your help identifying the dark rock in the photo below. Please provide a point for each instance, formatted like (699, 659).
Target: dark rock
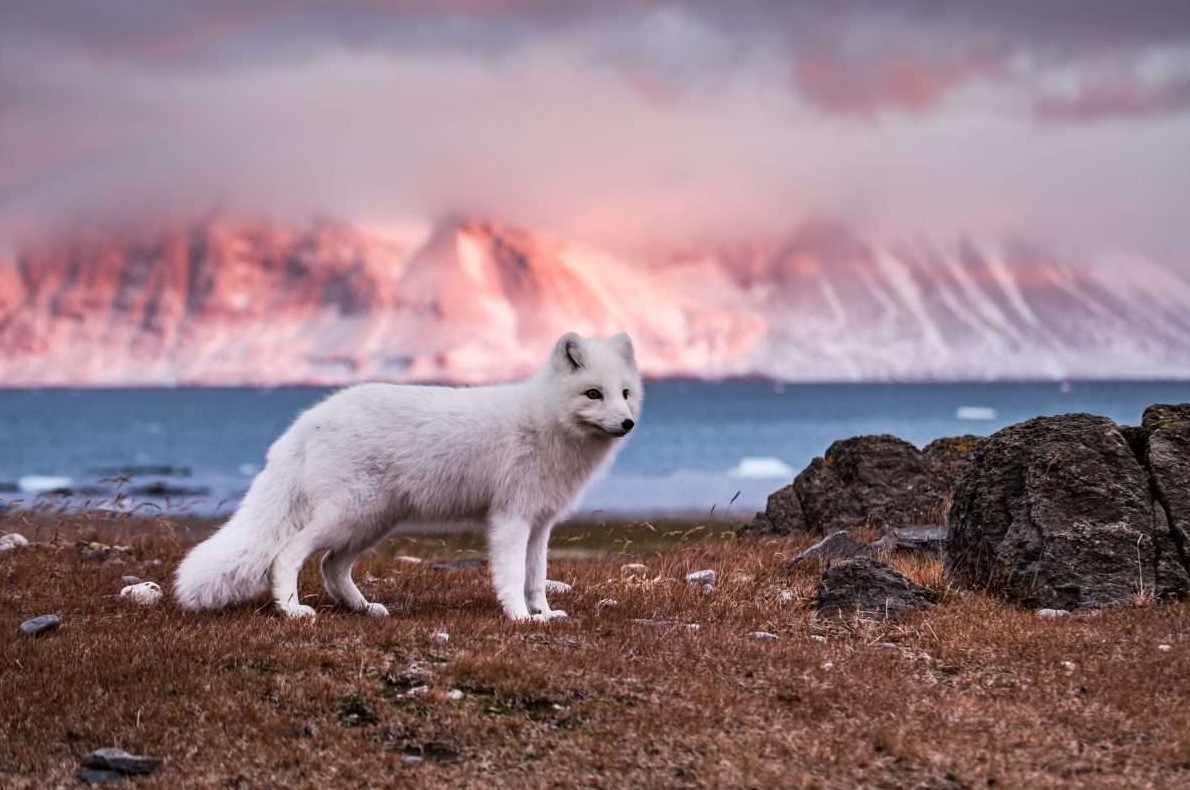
(120, 761)
(1166, 457)
(837, 545)
(160, 488)
(918, 539)
(950, 456)
(870, 480)
(94, 776)
(42, 624)
(870, 588)
(782, 515)
(1056, 512)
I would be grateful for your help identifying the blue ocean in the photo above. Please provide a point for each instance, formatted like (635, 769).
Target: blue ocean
(701, 449)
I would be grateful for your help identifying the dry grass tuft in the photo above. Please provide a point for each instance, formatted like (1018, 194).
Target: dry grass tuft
(972, 693)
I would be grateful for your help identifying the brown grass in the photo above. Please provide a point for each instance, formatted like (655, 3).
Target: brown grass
(975, 693)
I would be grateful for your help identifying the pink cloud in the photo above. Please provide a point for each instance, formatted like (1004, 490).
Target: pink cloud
(1117, 98)
(864, 86)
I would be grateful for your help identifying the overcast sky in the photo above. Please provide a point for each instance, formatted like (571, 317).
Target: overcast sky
(617, 123)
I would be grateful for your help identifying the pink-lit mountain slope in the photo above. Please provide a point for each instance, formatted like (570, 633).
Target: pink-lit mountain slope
(250, 302)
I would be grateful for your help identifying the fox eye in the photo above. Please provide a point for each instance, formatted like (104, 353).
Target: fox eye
(594, 394)
(625, 394)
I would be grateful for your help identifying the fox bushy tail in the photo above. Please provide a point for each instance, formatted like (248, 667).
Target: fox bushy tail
(232, 565)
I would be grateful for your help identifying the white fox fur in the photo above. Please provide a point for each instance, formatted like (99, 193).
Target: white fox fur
(354, 467)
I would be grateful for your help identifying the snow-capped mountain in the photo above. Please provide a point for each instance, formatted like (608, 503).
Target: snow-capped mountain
(253, 302)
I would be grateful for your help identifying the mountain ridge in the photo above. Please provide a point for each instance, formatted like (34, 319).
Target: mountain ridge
(234, 301)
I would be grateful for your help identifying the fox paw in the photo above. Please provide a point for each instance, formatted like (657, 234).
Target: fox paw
(296, 611)
(545, 617)
(375, 610)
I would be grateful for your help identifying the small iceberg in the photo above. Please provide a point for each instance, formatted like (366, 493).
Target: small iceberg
(40, 484)
(975, 413)
(762, 468)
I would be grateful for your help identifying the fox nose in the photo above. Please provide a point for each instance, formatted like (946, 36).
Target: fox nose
(627, 425)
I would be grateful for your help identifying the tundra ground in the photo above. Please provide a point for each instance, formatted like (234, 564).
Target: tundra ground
(974, 693)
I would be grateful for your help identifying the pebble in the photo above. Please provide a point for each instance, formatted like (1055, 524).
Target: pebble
(763, 636)
(1048, 613)
(817, 638)
(785, 597)
(607, 603)
(144, 593)
(42, 624)
(1069, 666)
(412, 759)
(13, 540)
(417, 691)
(1164, 648)
(701, 577)
(634, 570)
(407, 559)
(454, 695)
(120, 761)
(561, 588)
(131, 580)
(440, 637)
(827, 666)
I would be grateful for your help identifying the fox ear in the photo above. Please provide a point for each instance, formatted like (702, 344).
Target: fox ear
(623, 344)
(568, 353)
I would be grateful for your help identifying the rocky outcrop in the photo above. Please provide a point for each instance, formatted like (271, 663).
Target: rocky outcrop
(782, 515)
(869, 588)
(1060, 512)
(879, 481)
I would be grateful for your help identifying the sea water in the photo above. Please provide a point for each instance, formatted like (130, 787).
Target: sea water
(700, 449)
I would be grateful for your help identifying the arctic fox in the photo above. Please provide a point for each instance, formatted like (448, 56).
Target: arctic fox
(352, 468)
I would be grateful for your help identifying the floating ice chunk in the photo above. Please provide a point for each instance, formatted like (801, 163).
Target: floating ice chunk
(762, 468)
(39, 484)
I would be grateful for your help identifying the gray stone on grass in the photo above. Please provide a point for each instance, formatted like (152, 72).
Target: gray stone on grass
(120, 761)
(701, 577)
(835, 546)
(42, 624)
(13, 540)
(559, 588)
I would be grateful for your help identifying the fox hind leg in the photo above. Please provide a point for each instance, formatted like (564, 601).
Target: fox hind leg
(336, 578)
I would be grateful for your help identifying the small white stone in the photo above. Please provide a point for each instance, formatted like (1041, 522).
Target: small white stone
(1069, 666)
(13, 540)
(1164, 648)
(440, 637)
(131, 580)
(417, 691)
(405, 558)
(412, 760)
(560, 588)
(817, 638)
(607, 603)
(763, 636)
(1048, 613)
(827, 666)
(785, 597)
(634, 570)
(701, 577)
(454, 695)
(145, 593)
